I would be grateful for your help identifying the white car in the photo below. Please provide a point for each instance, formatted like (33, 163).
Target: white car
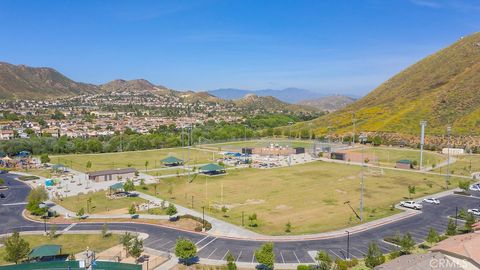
(475, 187)
(431, 201)
(476, 212)
(411, 204)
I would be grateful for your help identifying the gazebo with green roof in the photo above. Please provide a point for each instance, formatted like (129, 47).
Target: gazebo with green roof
(43, 251)
(172, 161)
(212, 169)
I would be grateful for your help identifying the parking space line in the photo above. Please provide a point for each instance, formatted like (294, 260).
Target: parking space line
(296, 256)
(225, 254)
(212, 253)
(281, 255)
(361, 252)
(164, 244)
(153, 241)
(202, 239)
(335, 254)
(207, 244)
(240, 254)
(253, 257)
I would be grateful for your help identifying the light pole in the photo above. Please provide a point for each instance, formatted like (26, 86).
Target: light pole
(422, 141)
(245, 139)
(447, 178)
(203, 219)
(348, 245)
(363, 139)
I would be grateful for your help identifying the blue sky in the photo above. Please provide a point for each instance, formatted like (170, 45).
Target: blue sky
(337, 46)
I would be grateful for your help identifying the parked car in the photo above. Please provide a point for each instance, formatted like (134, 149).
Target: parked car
(476, 212)
(475, 187)
(2, 196)
(411, 204)
(431, 200)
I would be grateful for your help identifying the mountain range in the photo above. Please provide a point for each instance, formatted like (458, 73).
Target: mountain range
(443, 89)
(289, 95)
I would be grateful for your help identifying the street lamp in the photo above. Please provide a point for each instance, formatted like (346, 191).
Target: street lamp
(348, 245)
(363, 140)
(422, 141)
(447, 178)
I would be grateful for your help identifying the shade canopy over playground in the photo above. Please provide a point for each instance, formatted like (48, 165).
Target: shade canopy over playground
(45, 251)
(171, 161)
(212, 169)
(116, 186)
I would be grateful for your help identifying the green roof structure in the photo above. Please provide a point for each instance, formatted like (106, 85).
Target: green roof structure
(404, 161)
(171, 160)
(45, 251)
(116, 186)
(211, 168)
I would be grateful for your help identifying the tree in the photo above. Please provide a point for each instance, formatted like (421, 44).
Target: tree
(411, 190)
(126, 241)
(432, 236)
(185, 249)
(323, 259)
(44, 158)
(469, 221)
(35, 198)
(88, 165)
(288, 227)
(464, 185)
(129, 186)
(451, 228)
(80, 212)
(231, 265)
(146, 165)
(16, 248)
(105, 233)
(171, 210)
(253, 220)
(136, 247)
(132, 210)
(265, 255)
(407, 243)
(53, 231)
(374, 256)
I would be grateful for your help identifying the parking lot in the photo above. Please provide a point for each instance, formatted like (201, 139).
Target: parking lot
(296, 251)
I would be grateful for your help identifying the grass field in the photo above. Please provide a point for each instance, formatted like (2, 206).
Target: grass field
(237, 146)
(71, 243)
(389, 156)
(310, 196)
(100, 203)
(134, 159)
(462, 165)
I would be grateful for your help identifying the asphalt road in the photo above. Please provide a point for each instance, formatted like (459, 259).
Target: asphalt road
(163, 239)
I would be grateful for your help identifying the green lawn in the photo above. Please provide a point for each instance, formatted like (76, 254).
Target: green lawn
(237, 146)
(100, 203)
(310, 196)
(389, 156)
(134, 159)
(462, 165)
(71, 243)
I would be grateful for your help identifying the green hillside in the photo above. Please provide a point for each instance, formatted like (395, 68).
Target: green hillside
(442, 88)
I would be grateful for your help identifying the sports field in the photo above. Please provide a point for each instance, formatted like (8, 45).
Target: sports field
(310, 196)
(389, 156)
(237, 146)
(134, 159)
(463, 165)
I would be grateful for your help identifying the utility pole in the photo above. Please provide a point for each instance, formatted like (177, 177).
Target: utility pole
(348, 245)
(245, 150)
(353, 121)
(422, 141)
(363, 139)
(447, 179)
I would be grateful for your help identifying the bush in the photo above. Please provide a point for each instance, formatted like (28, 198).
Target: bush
(208, 225)
(28, 177)
(303, 267)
